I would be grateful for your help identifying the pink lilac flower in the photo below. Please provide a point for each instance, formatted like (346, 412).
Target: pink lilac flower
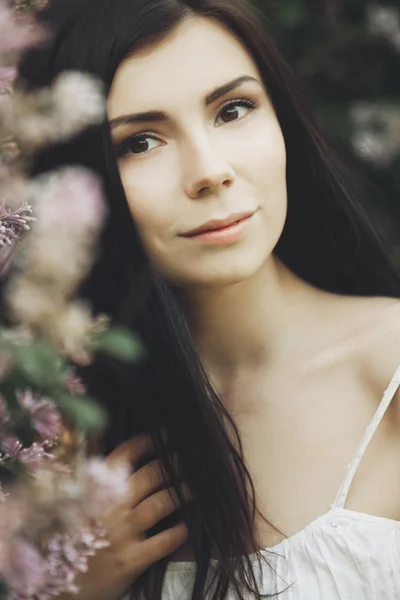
(45, 417)
(70, 209)
(10, 446)
(32, 457)
(70, 198)
(65, 556)
(103, 485)
(45, 571)
(74, 384)
(17, 33)
(14, 223)
(24, 569)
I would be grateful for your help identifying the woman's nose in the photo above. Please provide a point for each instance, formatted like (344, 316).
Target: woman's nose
(207, 170)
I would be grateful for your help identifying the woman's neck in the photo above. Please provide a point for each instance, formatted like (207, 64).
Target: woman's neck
(253, 323)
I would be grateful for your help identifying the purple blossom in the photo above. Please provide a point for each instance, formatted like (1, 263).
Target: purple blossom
(55, 510)
(32, 457)
(71, 200)
(103, 485)
(54, 571)
(11, 447)
(74, 384)
(46, 419)
(17, 33)
(73, 550)
(23, 569)
(43, 542)
(14, 223)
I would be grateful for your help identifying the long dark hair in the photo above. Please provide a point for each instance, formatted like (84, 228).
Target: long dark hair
(327, 240)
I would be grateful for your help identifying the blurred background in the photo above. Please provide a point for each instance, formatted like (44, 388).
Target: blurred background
(347, 54)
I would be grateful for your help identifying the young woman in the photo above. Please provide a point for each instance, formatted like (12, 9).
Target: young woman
(238, 248)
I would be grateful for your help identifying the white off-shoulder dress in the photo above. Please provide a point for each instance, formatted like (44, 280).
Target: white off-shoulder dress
(342, 555)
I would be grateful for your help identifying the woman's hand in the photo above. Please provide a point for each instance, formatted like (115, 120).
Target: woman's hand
(113, 569)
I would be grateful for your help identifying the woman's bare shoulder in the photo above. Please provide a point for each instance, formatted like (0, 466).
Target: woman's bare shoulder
(379, 352)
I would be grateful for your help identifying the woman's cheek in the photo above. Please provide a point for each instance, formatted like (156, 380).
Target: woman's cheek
(261, 152)
(150, 209)
(269, 147)
(138, 191)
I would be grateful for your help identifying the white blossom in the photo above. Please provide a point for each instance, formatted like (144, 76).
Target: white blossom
(385, 21)
(54, 114)
(377, 132)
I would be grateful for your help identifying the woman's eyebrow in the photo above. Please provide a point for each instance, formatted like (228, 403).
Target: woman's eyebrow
(228, 87)
(157, 116)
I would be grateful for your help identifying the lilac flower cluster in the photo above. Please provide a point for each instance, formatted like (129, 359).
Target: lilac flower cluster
(46, 421)
(51, 503)
(49, 528)
(13, 223)
(49, 523)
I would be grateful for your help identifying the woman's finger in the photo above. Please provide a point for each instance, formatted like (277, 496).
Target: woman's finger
(163, 544)
(146, 481)
(132, 451)
(155, 508)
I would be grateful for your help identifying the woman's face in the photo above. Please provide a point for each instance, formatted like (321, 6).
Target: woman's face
(202, 153)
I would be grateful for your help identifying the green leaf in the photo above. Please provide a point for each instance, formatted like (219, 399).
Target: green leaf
(39, 364)
(120, 343)
(83, 411)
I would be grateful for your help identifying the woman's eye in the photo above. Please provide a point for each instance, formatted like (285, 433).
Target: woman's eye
(143, 143)
(235, 110)
(137, 144)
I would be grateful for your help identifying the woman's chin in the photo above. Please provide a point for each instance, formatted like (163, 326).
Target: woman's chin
(227, 275)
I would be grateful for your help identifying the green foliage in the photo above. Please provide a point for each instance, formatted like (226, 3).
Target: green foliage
(37, 363)
(118, 342)
(84, 412)
(39, 367)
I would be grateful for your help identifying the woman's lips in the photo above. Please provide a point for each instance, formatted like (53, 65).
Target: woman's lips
(224, 235)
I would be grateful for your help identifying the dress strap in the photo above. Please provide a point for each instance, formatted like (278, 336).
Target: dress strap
(388, 396)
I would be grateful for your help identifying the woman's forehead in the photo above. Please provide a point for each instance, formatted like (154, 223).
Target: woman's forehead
(199, 55)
